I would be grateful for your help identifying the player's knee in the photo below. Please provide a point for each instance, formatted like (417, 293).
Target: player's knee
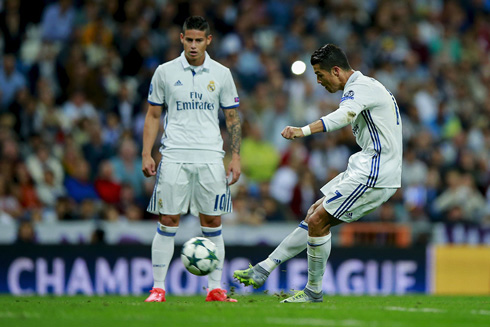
(169, 220)
(320, 223)
(315, 221)
(210, 221)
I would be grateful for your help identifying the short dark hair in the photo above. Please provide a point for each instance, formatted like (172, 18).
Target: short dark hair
(328, 56)
(196, 23)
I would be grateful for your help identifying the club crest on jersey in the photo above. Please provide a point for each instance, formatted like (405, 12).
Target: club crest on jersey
(211, 86)
(349, 95)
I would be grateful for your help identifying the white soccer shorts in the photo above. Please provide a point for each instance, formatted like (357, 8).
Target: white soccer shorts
(183, 187)
(348, 200)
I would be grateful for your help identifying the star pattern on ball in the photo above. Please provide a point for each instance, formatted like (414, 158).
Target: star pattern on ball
(212, 256)
(193, 260)
(198, 242)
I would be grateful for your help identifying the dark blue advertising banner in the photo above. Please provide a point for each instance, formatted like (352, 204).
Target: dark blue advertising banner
(125, 269)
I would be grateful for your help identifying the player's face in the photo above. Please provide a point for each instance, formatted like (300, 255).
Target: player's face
(328, 79)
(195, 43)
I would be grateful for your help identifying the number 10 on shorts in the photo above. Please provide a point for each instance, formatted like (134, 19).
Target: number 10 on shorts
(220, 202)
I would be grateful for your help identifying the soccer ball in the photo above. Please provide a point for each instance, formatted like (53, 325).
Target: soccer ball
(199, 256)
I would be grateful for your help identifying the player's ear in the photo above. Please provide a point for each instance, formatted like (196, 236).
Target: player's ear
(181, 38)
(209, 39)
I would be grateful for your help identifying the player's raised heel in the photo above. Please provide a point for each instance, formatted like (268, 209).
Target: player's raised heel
(219, 294)
(303, 296)
(254, 275)
(157, 295)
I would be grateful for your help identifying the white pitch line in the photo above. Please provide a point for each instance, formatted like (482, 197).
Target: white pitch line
(24, 314)
(318, 322)
(480, 312)
(429, 310)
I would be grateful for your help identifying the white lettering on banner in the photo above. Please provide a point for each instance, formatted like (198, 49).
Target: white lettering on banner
(107, 281)
(79, 281)
(175, 280)
(404, 280)
(141, 275)
(353, 276)
(44, 280)
(373, 278)
(345, 277)
(357, 277)
(13, 278)
(297, 273)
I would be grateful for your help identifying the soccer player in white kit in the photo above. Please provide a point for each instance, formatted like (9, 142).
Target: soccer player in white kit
(191, 176)
(372, 176)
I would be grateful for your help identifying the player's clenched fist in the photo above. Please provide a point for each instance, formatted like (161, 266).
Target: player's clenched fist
(290, 132)
(148, 166)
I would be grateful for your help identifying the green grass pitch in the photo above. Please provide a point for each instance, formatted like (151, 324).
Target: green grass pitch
(250, 311)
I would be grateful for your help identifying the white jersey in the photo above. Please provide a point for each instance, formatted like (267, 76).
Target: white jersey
(373, 113)
(191, 97)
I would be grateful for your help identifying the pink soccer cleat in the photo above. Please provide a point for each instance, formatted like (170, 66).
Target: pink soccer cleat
(218, 295)
(157, 295)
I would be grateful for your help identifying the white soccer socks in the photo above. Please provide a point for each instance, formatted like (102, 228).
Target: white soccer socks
(318, 253)
(215, 236)
(291, 246)
(162, 250)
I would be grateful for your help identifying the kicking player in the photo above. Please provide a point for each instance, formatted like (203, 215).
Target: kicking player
(191, 176)
(372, 176)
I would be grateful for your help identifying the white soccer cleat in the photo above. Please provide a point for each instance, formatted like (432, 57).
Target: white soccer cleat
(304, 296)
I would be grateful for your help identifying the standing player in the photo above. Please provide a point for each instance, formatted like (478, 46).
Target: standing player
(371, 178)
(190, 176)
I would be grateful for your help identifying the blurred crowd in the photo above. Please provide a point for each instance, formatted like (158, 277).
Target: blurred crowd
(74, 77)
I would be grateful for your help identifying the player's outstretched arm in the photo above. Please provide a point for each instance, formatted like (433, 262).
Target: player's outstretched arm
(152, 123)
(235, 129)
(291, 133)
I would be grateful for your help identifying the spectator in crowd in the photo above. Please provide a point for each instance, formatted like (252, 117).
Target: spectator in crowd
(461, 193)
(12, 25)
(48, 191)
(9, 204)
(25, 190)
(78, 108)
(106, 185)
(42, 159)
(26, 233)
(65, 209)
(78, 185)
(12, 81)
(98, 237)
(128, 199)
(57, 21)
(259, 157)
(127, 167)
(95, 150)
